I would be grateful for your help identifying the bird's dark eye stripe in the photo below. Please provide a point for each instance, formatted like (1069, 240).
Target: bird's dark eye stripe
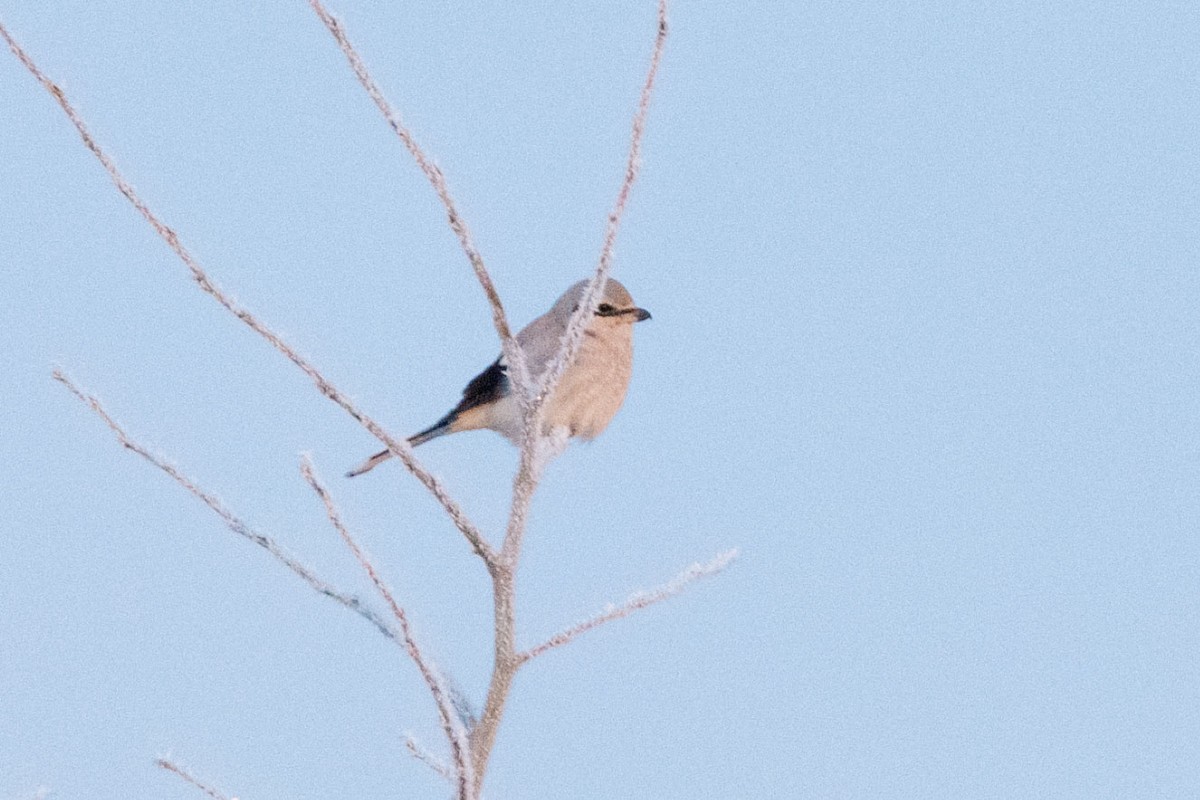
(605, 310)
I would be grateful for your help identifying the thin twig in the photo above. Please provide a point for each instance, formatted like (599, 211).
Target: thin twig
(171, 766)
(572, 340)
(573, 336)
(433, 173)
(636, 601)
(231, 520)
(398, 447)
(429, 672)
(537, 450)
(417, 751)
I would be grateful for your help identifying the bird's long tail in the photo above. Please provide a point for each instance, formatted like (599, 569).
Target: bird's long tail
(441, 428)
(370, 463)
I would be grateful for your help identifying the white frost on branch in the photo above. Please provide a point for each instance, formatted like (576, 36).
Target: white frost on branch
(171, 766)
(451, 724)
(418, 751)
(636, 601)
(231, 520)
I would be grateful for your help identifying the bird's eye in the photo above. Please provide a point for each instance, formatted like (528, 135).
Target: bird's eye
(604, 309)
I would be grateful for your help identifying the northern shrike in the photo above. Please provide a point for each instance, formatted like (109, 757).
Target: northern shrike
(588, 395)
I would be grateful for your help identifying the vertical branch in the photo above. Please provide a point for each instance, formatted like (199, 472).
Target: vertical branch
(537, 449)
(527, 470)
(573, 338)
(504, 669)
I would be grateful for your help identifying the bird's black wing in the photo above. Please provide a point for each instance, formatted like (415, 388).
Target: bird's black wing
(486, 387)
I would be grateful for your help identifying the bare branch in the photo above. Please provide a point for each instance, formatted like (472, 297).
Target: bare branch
(171, 766)
(231, 520)
(636, 601)
(417, 751)
(573, 338)
(537, 451)
(512, 351)
(398, 447)
(429, 672)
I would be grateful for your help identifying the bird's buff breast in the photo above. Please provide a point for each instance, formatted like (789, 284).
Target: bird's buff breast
(592, 390)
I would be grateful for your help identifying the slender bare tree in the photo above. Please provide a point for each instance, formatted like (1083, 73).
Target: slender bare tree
(469, 740)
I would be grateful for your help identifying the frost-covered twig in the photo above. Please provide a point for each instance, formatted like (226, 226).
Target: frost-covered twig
(573, 337)
(398, 447)
(634, 602)
(171, 766)
(508, 344)
(231, 520)
(451, 724)
(417, 751)
(529, 466)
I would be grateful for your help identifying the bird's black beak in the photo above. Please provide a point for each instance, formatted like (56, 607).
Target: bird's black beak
(641, 314)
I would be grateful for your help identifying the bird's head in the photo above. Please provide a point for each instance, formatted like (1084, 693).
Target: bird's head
(616, 305)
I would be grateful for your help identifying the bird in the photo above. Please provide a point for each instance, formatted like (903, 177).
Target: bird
(588, 395)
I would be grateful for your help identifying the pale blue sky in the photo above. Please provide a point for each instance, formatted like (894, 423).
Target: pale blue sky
(925, 347)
